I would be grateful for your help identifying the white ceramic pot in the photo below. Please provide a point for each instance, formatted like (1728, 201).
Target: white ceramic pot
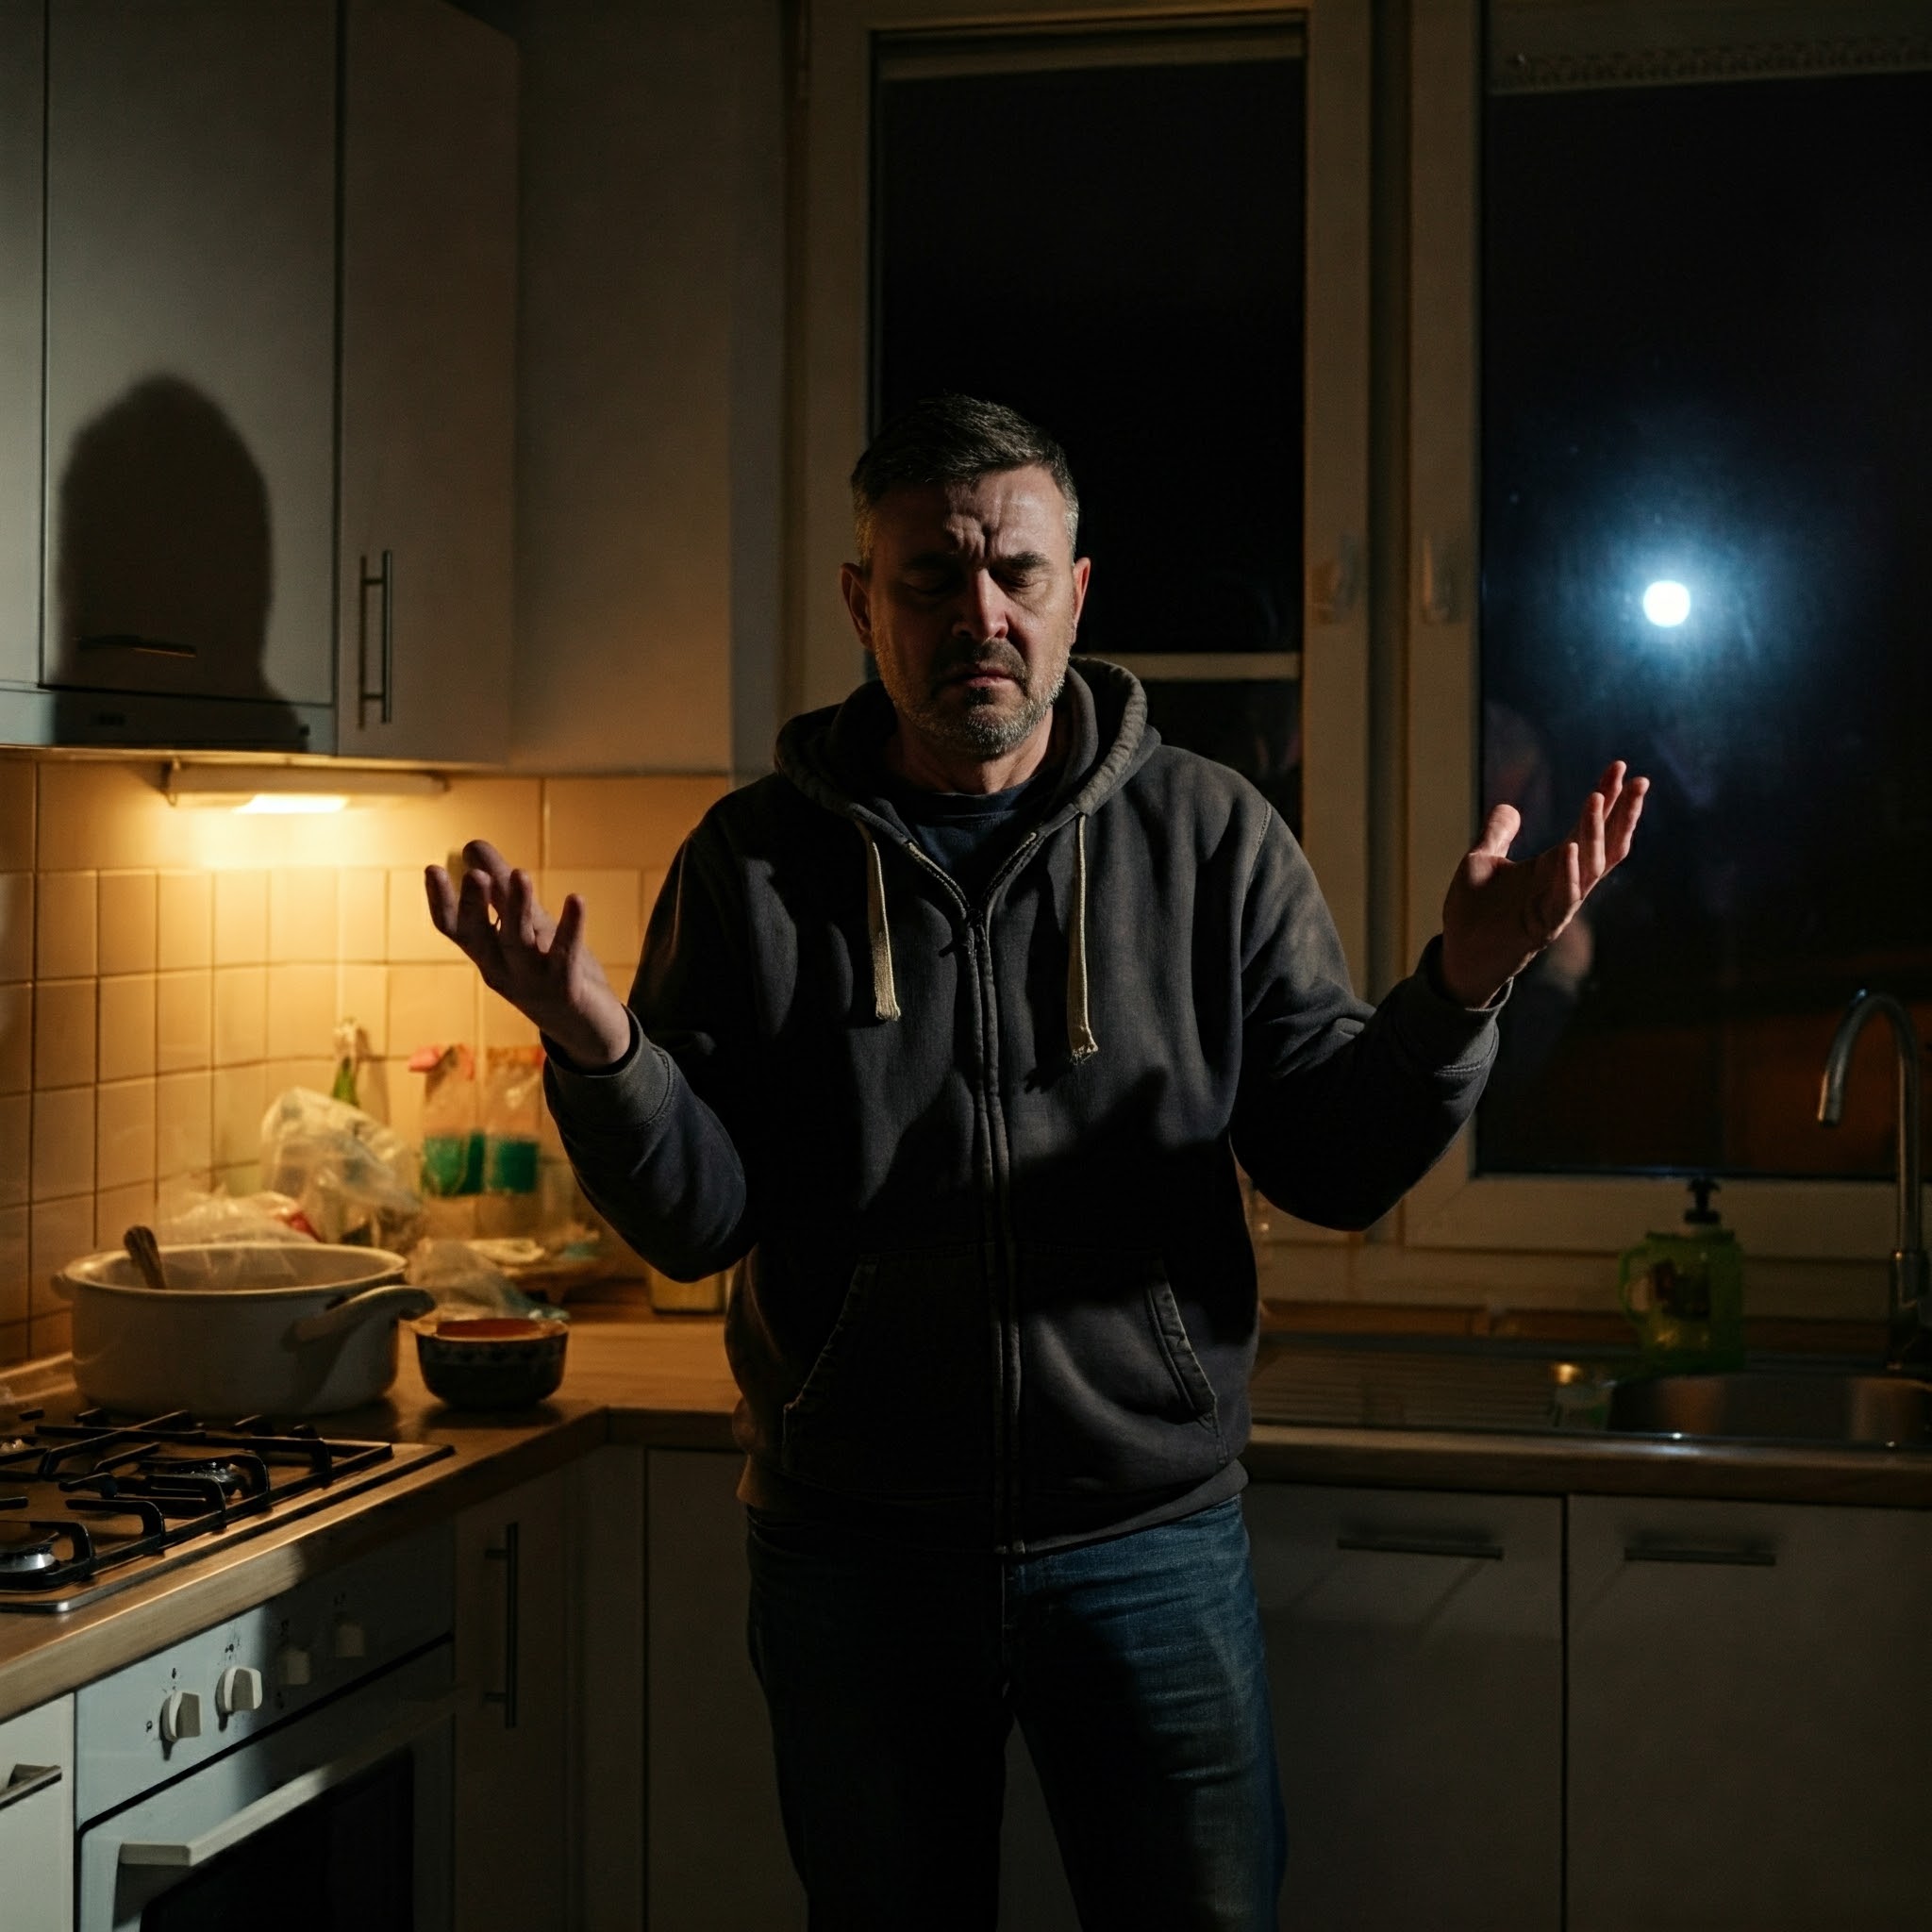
(279, 1328)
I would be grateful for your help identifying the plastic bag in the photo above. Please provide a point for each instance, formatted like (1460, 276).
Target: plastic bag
(187, 1214)
(452, 1134)
(351, 1175)
(513, 1117)
(464, 1283)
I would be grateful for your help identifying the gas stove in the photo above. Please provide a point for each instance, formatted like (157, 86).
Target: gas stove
(92, 1504)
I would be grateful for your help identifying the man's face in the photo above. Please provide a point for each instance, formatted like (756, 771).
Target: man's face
(970, 607)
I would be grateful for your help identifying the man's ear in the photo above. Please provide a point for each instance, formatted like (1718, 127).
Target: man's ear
(1083, 569)
(857, 590)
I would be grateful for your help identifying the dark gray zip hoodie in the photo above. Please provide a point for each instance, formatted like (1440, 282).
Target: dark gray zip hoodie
(978, 1159)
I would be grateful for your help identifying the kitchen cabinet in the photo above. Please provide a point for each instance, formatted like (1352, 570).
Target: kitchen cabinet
(1749, 1713)
(279, 306)
(514, 1620)
(36, 1819)
(22, 104)
(1415, 1658)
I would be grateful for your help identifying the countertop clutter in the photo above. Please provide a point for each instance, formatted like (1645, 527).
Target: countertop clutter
(1402, 1412)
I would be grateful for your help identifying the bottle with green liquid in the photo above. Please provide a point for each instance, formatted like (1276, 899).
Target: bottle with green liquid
(1684, 1294)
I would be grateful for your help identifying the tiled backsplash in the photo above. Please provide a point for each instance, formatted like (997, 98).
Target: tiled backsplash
(165, 971)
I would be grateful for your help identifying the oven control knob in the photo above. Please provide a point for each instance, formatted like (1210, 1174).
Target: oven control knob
(294, 1665)
(350, 1641)
(239, 1689)
(181, 1716)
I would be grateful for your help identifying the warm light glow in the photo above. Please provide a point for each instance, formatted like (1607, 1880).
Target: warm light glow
(286, 803)
(1667, 605)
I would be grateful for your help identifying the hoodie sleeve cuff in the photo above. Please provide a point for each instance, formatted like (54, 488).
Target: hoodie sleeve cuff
(628, 1095)
(1441, 1031)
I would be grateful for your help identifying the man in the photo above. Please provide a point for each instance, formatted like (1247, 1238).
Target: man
(951, 1030)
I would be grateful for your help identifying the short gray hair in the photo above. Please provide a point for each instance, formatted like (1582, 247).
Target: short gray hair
(952, 439)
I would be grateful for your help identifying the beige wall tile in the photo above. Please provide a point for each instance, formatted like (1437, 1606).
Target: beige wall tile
(51, 1332)
(16, 814)
(184, 1141)
(63, 1144)
(14, 1345)
(302, 914)
(362, 996)
(184, 1021)
(361, 914)
(241, 1009)
(502, 1025)
(631, 821)
(301, 1011)
(98, 813)
(65, 924)
(59, 1232)
(124, 1133)
(65, 1032)
(431, 1006)
(14, 1265)
(117, 1210)
(610, 908)
(411, 934)
(185, 919)
(128, 1027)
(16, 1038)
(316, 1074)
(16, 924)
(405, 1094)
(240, 918)
(240, 1098)
(373, 1087)
(415, 832)
(128, 922)
(16, 1138)
(240, 1179)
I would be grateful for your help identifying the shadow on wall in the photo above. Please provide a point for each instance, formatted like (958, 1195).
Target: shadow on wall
(164, 559)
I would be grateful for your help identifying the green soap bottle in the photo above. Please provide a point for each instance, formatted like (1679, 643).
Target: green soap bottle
(1684, 1294)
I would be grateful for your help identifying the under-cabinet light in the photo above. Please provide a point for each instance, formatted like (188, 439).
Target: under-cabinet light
(290, 788)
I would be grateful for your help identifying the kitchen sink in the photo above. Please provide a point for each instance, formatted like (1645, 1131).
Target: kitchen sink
(1780, 1405)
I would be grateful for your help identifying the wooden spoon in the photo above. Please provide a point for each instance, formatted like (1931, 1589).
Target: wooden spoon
(146, 1252)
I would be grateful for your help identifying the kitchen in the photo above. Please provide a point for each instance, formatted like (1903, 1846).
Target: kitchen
(609, 327)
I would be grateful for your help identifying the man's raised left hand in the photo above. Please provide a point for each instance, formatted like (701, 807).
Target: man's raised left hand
(1501, 912)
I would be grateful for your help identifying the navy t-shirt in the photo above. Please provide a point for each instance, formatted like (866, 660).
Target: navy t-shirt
(970, 834)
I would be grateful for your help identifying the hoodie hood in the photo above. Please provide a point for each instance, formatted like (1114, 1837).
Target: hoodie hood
(835, 758)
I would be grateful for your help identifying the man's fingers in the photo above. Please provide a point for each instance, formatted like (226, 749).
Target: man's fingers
(1622, 824)
(568, 934)
(442, 894)
(1499, 831)
(475, 932)
(523, 917)
(479, 855)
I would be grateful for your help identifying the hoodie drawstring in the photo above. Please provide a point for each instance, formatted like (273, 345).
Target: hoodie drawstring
(885, 993)
(1079, 1026)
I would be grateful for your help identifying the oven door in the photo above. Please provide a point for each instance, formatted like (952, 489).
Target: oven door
(338, 1820)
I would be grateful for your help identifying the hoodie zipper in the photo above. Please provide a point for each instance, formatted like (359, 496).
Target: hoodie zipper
(977, 921)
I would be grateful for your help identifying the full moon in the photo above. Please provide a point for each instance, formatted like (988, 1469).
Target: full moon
(1666, 604)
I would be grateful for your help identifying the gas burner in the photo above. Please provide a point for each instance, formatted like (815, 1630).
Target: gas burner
(232, 1475)
(30, 1558)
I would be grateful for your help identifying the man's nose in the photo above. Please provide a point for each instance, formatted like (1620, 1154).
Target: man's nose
(982, 609)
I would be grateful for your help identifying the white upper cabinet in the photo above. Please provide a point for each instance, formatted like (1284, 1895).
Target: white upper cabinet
(428, 384)
(191, 253)
(22, 125)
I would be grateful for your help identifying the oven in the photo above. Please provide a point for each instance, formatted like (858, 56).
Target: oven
(292, 1767)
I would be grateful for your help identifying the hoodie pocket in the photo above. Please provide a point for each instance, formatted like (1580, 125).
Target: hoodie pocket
(1113, 1400)
(899, 1400)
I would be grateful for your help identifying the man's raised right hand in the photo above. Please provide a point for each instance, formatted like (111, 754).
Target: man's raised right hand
(540, 965)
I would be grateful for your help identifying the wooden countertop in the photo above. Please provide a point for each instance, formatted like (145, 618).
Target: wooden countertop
(661, 1381)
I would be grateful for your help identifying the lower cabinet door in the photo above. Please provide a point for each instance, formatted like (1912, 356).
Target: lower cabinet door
(36, 1819)
(514, 1768)
(1416, 1668)
(1750, 1718)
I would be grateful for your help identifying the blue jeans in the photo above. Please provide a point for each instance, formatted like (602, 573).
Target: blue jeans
(1136, 1671)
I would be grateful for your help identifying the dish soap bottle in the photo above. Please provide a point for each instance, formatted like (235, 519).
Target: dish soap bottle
(1684, 1294)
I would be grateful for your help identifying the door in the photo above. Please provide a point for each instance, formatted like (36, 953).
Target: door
(1415, 1664)
(513, 1734)
(428, 384)
(191, 331)
(1748, 1716)
(22, 127)
(37, 1818)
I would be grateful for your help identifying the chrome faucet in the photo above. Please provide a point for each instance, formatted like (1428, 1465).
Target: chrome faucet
(1910, 1311)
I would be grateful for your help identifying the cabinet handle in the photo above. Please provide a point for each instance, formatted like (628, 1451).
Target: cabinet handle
(1740, 1556)
(506, 1554)
(25, 1780)
(1421, 1546)
(383, 696)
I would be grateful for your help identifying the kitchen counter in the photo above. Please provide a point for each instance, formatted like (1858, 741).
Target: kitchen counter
(1392, 1411)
